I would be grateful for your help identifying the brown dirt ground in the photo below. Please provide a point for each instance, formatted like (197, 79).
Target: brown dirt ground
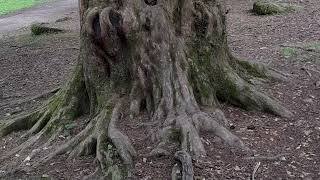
(30, 66)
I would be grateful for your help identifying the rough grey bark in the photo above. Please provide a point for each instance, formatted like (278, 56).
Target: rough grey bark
(165, 58)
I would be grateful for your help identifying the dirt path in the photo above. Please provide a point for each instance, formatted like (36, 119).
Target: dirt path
(47, 12)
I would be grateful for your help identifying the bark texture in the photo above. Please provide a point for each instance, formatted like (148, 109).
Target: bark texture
(164, 57)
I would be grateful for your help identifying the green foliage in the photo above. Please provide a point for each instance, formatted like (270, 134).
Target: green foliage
(304, 52)
(288, 52)
(70, 126)
(40, 28)
(7, 6)
(270, 7)
(313, 46)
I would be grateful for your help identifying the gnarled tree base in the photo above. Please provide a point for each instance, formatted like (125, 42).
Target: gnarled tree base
(165, 58)
(102, 138)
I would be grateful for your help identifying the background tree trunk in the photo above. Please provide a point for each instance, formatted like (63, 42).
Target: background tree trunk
(159, 57)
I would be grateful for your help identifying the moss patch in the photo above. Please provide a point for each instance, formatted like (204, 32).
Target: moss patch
(252, 69)
(269, 7)
(41, 28)
(313, 46)
(70, 126)
(228, 92)
(304, 52)
(200, 73)
(289, 52)
(175, 135)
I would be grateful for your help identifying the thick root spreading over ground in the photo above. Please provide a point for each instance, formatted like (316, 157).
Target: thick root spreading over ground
(163, 58)
(100, 137)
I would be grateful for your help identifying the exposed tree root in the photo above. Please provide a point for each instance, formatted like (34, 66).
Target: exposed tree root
(246, 96)
(100, 137)
(186, 165)
(185, 129)
(28, 99)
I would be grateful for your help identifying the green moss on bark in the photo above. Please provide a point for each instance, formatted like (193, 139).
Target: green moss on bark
(55, 101)
(251, 69)
(175, 135)
(199, 74)
(112, 170)
(227, 91)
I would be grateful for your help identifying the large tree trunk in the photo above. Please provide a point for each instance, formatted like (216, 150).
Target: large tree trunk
(166, 58)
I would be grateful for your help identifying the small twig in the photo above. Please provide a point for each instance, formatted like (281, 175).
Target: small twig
(73, 48)
(317, 84)
(266, 157)
(306, 70)
(311, 69)
(144, 125)
(255, 170)
(280, 72)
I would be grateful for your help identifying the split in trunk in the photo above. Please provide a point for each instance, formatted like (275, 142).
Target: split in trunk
(166, 58)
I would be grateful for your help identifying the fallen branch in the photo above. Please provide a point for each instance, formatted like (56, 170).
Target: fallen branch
(270, 158)
(307, 71)
(255, 170)
(311, 69)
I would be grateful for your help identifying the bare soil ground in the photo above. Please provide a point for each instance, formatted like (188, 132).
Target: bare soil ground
(286, 148)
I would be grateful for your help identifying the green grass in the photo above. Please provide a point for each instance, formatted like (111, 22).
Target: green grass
(7, 6)
(299, 49)
(315, 46)
(288, 52)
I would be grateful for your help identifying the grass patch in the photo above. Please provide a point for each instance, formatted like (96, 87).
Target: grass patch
(300, 49)
(289, 52)
(7, 6)
(313, 46)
